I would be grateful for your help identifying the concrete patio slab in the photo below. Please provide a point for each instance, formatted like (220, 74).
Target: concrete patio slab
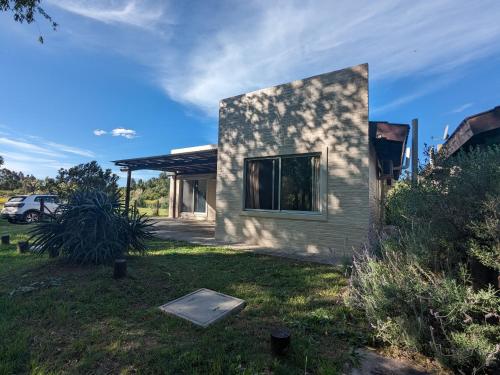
(203, 233)
(203, 307)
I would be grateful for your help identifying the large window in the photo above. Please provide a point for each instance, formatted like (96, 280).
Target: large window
(194, 196)
(284, 183)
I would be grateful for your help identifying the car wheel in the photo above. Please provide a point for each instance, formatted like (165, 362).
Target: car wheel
(31, 217)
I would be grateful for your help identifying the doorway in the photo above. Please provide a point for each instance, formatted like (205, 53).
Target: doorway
(194, 197)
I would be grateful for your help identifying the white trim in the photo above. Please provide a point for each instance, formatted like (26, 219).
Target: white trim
(193, 149)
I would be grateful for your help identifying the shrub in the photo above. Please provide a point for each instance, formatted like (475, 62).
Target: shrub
(419, 310)
(416, 292)
(453, 211)
(91, 228)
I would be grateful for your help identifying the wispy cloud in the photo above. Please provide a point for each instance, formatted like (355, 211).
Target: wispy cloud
(235, 47)
(71, 150)
(461, 108)
(280, 41)
(143, 14)
(99, 132)
(38, 156)
(28, 147)
(122, 132)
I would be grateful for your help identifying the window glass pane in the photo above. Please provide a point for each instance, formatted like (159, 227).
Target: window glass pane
(260, 184)
(200, 195)
(187, 196)
(300, 183)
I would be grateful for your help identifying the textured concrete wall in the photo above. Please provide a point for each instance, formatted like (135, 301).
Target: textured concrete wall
(326, 113)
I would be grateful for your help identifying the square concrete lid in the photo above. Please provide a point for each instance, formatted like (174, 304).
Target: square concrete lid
(203, 306)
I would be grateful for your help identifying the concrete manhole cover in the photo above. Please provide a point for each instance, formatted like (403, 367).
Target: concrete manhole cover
(203, 306)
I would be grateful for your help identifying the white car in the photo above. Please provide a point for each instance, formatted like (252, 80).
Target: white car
(27, 207)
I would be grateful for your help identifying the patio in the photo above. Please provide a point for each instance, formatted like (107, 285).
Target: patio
(202, 232)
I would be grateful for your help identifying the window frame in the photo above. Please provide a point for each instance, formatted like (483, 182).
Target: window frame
(192, 211)
(320, 215)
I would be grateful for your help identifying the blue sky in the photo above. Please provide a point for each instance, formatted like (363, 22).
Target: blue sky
(150, 73)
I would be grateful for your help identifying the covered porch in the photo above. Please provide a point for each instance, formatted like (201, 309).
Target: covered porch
(192, 180)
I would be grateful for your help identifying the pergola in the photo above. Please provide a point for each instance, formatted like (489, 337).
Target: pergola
(178, 164)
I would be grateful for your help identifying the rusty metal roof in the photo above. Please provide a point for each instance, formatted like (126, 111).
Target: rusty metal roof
(471, 127)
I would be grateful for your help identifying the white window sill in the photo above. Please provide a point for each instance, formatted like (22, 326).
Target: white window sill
(289, 215)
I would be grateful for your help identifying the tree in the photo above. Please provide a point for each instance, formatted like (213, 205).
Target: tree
(25, 11)
(89, 176)
(1, 161)
(10, 180)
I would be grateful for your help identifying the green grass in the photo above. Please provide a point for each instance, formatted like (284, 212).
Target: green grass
(148, 211)
(81, 320)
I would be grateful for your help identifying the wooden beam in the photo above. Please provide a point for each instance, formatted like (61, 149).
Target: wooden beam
(414, 151)
(127, 191)
(174, 203)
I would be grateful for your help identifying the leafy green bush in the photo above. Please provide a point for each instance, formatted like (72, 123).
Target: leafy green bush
(453, 211)
(419, 310)
(416, 291)
(91, 228)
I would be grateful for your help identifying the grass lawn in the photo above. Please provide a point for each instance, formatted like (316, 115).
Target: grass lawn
(148, 211)
(81, 320)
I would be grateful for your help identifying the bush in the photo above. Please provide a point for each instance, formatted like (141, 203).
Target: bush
(419, 310)
(453, 212)
(91, 228)
(416, 291)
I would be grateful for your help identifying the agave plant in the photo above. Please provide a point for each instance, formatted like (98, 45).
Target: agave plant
(92, 228)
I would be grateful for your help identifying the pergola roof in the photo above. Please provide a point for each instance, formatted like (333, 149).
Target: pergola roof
(194, 162)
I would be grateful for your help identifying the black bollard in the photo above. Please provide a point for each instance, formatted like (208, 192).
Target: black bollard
(280, 341)
(5, 239)
(120, 270)
(23, 246)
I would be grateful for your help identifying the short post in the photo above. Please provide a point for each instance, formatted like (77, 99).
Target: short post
(414, 151)
(120, 270)
(5, 239)
(280, 340)
(23, 247)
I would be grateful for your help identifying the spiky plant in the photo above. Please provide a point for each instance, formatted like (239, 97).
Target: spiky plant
(91, 228)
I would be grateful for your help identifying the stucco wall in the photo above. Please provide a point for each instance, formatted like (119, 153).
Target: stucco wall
(326, 113)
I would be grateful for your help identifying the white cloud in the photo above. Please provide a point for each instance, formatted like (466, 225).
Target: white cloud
(122, 132)
(71, 149)
(39, 157)
(461, 108)
(281, 41)
(28, 147)
(219, 51)
(99, 132)
(143, 14)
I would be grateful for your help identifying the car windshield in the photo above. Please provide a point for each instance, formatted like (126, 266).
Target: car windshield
(17, 199)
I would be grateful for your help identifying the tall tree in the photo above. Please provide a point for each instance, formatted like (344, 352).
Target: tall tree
(85, 176)
(26, 11)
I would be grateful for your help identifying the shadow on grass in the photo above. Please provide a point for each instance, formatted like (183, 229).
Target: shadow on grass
(93, 323)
